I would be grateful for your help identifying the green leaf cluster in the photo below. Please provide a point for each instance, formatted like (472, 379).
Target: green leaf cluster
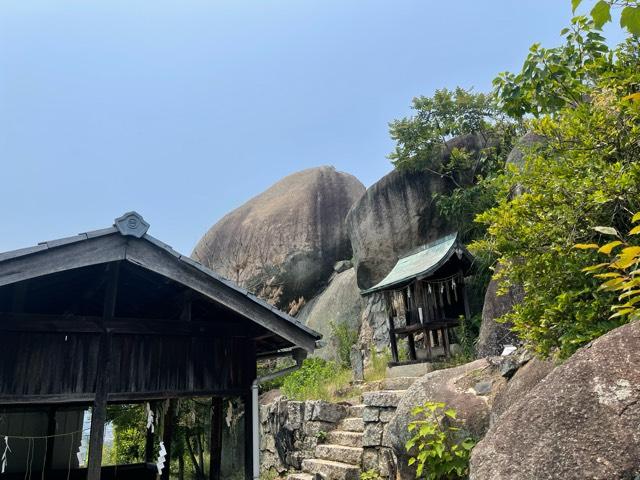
(585, 174)
(621, 274)
(439, 449)
(601, 13)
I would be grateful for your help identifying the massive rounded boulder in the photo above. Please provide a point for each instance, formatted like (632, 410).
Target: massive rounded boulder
(288, 237)
(582, 421)
(339, 304)
(398, 214)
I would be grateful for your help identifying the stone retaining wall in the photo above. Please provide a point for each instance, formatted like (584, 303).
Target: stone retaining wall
(291, 430)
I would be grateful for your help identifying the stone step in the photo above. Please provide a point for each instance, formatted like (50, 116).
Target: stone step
(330, 470)
(301, 476)
(339, 453)
(346, 439)
(399, 383)
(355, 410)
(383, 398)
(351, 424)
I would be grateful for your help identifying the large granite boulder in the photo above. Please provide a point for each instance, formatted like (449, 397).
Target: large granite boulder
(469, 389)
(522, 382)
(339, 304)
(398, 214)
(287, 238)
(582, 421)
(495, 335)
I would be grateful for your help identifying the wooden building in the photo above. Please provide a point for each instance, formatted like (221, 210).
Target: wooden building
(116, 316)
(425, 297)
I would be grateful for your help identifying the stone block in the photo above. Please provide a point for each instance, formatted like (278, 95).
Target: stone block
(386, 414)
(370, 459)
(295, 415)
(371, 414)
(384, 398)
(325, 411)
(372, 436)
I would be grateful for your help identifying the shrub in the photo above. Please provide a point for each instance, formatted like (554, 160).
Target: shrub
(439, 450)
(345, 337)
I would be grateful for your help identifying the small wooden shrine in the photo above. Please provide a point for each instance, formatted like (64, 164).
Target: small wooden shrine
(115, 316)
(425, 297)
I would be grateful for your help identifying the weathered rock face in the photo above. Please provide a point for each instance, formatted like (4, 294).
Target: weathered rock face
(522, 382)
(469, 389)
(397, 214)
(581, 421)
(293, 232)
(341, 304)
(374, 326)
(394, 216)
(493, 335)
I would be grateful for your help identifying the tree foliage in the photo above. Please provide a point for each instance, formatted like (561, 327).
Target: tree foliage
(462, 137)
(620, 274)
(585, 174)
(602, 9)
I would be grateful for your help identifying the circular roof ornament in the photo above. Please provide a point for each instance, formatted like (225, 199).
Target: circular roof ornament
(131, 224)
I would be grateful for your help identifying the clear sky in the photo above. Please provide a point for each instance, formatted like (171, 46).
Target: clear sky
(184, 109)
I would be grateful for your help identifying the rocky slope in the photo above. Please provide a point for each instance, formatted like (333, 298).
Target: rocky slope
(339, 304)
(582, 421)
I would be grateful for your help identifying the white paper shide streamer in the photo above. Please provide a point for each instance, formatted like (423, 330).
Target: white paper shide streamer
(161, 457)
(150, 418)
(82, 450)
(4, 454)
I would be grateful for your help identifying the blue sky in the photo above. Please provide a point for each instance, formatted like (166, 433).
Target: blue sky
(184, 109)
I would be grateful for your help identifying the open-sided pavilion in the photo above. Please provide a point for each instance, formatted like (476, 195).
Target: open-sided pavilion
(116, 316)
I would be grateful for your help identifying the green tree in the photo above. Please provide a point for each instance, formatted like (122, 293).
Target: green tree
(585, 175)
(462, 137)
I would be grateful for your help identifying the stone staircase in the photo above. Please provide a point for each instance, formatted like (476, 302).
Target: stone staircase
(341, 456)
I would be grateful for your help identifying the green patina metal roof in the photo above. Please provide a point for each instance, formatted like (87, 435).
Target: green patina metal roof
(421, 263)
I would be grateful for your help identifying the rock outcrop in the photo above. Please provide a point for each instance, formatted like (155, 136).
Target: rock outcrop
(397, 214)
(287, 238)
(582, 421)
(494, 335)
(339, 304)
(469, 389)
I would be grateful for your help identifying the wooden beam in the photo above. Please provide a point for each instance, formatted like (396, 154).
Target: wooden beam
(215, 444)
(26, 322)
(109, 248)
(146, 255)
(99, 412)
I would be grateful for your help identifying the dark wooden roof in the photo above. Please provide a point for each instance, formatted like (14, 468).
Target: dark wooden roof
(127, 241)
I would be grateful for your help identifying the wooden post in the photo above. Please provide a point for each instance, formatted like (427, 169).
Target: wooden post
(99, 412)
(392, 328)
(149, 441)
(215, 444)
(248, 437)
(465, 298)
(51, 431)
(409, 321)
(167, 434)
